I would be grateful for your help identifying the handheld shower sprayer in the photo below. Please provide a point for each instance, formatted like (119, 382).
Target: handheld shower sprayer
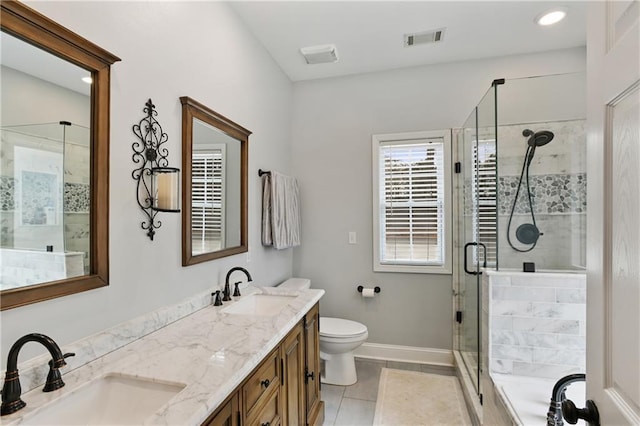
(528, 233)
(535, 140)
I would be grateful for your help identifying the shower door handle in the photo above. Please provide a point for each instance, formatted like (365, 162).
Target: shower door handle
(466, 247)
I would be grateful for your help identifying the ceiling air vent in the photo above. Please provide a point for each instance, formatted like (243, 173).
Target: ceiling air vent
(425, 37)
(320, 54)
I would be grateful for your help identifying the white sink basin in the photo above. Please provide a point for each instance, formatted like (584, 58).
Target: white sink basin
(109, 400)
(259, 304)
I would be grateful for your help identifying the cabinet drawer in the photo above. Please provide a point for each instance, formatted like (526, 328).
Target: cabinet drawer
(269, 414)
(261, 382)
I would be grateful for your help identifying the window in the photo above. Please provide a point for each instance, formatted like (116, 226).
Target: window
(412, 202)
(207, 209)
(484, 191)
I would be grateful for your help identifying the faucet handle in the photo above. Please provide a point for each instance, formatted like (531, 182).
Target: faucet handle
(54, 379)
(236, 291)
(62, 361)
(217, 301)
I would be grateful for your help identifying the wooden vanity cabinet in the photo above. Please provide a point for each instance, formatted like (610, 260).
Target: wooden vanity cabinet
(314, 405)
(227, 415)
(284, 389)
(293, 364)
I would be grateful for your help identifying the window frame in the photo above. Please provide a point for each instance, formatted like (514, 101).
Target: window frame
(377, 141)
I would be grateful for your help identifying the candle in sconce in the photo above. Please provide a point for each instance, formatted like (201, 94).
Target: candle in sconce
(167, 191)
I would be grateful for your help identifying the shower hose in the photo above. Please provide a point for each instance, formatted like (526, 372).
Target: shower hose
(524, 173)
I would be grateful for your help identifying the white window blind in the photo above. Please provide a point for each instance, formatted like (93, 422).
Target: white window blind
(484, 191)
(207, 208)
(413, 186)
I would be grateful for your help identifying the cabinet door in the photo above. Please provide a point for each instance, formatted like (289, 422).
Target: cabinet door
(227, 415)
(293, 363)
(314, 406)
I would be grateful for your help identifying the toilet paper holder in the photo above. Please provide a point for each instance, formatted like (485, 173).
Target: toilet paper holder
(376, 289)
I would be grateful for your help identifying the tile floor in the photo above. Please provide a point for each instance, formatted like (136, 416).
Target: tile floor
(356, 404)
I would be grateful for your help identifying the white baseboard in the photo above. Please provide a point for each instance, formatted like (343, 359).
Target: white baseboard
(413, 354)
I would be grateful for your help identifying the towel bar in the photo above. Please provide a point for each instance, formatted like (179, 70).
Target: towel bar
(263, 172)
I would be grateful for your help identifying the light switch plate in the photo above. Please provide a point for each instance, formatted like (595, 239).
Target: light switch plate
(352, 237)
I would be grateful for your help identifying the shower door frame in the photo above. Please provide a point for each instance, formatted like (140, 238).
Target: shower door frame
(470, 280)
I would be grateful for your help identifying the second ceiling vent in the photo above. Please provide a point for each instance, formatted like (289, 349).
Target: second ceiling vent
(425, 37)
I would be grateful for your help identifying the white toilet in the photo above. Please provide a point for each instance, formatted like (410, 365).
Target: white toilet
(338, 339)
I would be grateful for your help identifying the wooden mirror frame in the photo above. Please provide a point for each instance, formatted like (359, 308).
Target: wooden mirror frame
(34, 28)
(192, 109)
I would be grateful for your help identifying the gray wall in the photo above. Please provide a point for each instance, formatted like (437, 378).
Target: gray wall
(333, 122)
(168, 50)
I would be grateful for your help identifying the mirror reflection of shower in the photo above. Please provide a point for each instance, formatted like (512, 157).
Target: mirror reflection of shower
(528, 233)
(44, 202)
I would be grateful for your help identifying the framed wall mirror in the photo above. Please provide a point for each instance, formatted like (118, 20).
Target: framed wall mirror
(54, 174)
(215, 156)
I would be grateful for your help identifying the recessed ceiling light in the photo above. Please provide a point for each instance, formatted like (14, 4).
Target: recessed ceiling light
(552, 16)
(87, 80)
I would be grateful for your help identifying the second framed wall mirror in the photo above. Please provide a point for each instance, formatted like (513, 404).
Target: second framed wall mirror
(215, 156)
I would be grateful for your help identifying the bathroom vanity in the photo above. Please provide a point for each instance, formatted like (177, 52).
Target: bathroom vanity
(282, 389)
(254, 360)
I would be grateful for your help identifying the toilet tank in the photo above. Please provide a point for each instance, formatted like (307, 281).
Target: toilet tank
(296, 283)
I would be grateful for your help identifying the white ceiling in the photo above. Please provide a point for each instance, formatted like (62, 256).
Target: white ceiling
(32, 60)
(369, 34)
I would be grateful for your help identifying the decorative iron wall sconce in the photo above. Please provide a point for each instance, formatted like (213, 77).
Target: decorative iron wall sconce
(158, 187)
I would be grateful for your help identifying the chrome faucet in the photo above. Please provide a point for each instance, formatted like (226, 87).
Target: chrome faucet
(11, 391)
(554, 415)
(227, 290)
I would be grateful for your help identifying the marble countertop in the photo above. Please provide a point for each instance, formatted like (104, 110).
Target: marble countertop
(210, 352)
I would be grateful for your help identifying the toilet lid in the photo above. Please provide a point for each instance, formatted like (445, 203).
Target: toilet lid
(339, 327)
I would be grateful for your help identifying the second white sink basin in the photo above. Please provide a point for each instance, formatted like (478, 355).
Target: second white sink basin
(110, 400)
(259, 304)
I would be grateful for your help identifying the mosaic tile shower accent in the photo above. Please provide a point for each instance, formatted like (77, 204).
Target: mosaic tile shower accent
(76, 196)
(7, 189)
(561, 193)
(76, 220)
(550, 194)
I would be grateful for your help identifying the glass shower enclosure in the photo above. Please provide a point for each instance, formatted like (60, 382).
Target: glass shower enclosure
(477, 222)
(521, 179)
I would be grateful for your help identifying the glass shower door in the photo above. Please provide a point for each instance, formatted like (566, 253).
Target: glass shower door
(477, 226)
(469, 342)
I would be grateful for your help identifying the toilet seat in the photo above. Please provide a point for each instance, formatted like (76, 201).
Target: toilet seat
(339, 328)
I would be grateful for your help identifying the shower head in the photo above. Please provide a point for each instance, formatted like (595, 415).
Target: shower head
(536, 139)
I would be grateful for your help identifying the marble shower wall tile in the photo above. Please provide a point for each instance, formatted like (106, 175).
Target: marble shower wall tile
(25, 267)
(538, 323)
(558, 185)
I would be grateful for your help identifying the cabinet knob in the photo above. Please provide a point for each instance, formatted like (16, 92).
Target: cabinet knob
(265, 383)
(309, 375)
(266, 424)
